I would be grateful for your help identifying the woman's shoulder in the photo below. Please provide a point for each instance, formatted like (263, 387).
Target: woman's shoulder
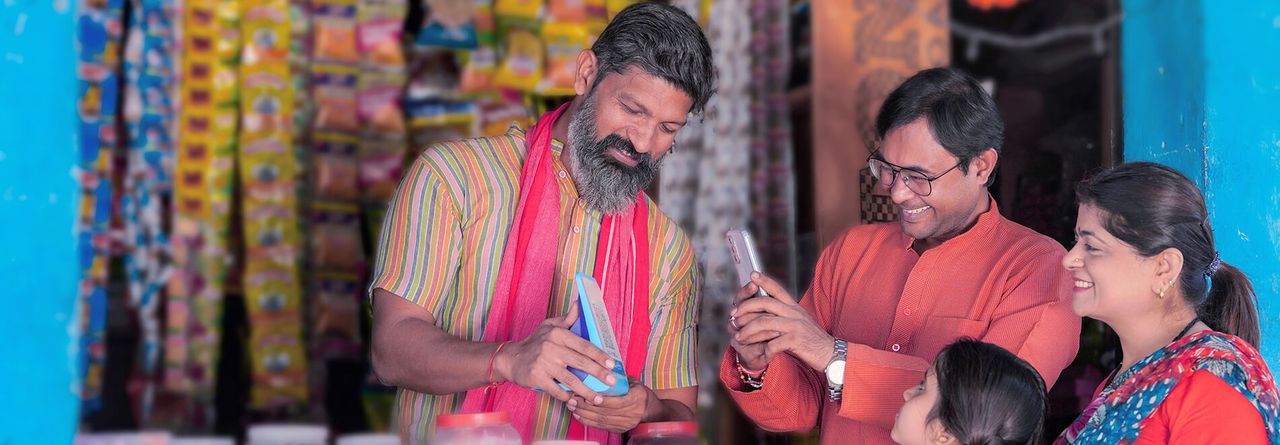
(1211, 344)
(1200, 409)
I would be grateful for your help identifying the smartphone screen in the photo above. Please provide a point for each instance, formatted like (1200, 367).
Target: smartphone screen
(742, 248)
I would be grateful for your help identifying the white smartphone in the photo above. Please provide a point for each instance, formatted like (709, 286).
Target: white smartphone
(742, 247)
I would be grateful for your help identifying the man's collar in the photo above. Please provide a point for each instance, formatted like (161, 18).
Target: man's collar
(986, 221)
(515, 130)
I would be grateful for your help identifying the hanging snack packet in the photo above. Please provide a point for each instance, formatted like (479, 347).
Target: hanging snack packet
(334, 89)
(378, 104)
(279, 369)
(478, 72)
(336, 319)
(334, 25)
(450, 24)
(496, 116)
(334, 167)
(595, 10)
(522, 67)
(378, 34)
(564, 42)
(268, 106)
(335, 236)
(381, 164)
(574, 11)
(518, 11)
(438, 112)
(485, 28)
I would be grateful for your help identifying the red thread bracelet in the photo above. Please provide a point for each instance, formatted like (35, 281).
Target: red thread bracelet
(493, 358)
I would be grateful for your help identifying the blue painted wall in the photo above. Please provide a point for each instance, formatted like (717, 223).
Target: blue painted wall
(38, 200)
(1162, 62)
(1202, 94)
(1242, 146)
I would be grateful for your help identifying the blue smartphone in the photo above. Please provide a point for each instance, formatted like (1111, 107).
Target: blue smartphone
(593, 326)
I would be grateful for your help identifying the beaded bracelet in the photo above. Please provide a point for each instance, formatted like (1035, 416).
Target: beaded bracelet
(753, 379)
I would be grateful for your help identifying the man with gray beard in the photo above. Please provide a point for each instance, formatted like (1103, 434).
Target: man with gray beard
(473, 290)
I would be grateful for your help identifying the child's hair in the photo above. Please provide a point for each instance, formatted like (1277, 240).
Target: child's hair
(988, 396)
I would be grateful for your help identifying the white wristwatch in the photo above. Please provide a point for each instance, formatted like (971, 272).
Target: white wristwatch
(835, 370)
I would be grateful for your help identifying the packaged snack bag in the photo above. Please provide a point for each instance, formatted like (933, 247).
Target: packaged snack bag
(564, 42)
(521, 69)
(334, 25)
(450, 24)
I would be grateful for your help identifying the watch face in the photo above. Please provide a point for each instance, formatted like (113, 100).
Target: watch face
(835, 372)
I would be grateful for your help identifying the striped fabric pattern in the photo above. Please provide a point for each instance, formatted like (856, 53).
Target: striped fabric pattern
(441, 247)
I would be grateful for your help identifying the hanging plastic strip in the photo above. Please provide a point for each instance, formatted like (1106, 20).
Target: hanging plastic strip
(268, 179)
(100, 35)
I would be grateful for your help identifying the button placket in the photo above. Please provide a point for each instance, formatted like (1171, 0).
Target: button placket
(904, 325)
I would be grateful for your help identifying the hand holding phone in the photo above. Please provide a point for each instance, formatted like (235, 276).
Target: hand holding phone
(742, 248)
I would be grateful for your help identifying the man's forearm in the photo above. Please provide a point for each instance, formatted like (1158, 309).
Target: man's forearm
(671, 405)
(667, 410)
(415, 354)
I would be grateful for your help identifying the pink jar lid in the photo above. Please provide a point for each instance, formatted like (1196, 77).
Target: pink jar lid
(670, 428)
(476, 419)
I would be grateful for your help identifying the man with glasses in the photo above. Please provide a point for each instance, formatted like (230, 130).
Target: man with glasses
(886, 298)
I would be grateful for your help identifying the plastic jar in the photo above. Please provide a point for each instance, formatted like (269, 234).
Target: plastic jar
(665, 433)
(475, 429)
(288, 434)
(205, 440)
(368, 439)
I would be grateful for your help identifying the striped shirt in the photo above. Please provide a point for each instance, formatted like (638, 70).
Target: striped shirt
(441, 246)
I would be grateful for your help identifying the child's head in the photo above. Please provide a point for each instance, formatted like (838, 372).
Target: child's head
(975, 394)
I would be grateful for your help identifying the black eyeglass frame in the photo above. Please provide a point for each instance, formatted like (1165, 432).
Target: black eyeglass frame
(896, 169)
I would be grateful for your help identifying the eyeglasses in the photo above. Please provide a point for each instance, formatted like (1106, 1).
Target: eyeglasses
(916, 181)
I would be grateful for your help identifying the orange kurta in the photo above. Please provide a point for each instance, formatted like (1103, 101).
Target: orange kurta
(998, 282)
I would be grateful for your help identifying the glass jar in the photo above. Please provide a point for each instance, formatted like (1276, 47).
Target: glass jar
(665, 433)
(475, 429)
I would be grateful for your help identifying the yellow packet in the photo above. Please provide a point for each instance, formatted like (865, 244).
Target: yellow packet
(564, 42)
(279, 370)
(519, 10)
(522, 67)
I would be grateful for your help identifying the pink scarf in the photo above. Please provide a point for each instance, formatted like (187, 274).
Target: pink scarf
(523, 291)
